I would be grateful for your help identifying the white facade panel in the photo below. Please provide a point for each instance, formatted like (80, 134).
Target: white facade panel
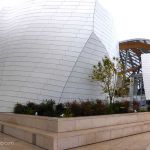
(103, 25)
(48, 48)
(146, 74)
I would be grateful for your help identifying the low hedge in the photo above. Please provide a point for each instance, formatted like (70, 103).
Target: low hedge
(75, 108)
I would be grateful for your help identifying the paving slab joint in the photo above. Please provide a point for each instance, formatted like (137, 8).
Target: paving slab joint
(34, 139)
(2, 128)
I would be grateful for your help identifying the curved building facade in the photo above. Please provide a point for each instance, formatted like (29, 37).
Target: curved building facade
(48, 48)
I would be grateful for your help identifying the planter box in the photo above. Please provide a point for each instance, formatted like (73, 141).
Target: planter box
(63, 133)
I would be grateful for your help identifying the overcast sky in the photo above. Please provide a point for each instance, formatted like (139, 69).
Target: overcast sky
(131, 17)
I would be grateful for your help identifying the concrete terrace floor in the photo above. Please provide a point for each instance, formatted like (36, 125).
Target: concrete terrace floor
(135, 142)
(10, 143)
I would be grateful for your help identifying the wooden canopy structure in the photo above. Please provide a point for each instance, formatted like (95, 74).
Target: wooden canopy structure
(130, 54)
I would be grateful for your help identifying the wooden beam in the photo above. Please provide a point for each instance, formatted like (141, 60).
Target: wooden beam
(131, 45)
(133, 69)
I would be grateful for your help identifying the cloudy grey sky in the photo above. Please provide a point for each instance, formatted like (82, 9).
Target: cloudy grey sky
(131, 17)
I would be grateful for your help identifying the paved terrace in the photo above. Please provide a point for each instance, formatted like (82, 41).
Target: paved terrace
(10, 143)
(135, 142)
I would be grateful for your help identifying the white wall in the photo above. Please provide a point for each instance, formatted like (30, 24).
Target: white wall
(48, 48)
(103, 28)
(146, 74)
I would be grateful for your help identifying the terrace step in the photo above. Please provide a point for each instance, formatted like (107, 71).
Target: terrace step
(34, 136)
(65, 140)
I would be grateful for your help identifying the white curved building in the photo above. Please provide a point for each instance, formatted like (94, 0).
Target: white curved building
(48, 48)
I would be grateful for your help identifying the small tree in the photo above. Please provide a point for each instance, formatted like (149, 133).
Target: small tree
(107, 72)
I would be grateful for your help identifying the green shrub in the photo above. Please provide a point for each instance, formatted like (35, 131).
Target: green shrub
(75, 108)
(47, 108)
(124, 107)
(118, 107)
(31, 108)
(87, 108)
(142, 110)
(29, 111)
(100, 108)
(68, 111)
(19, 109)
(148, 108)
(136, 105)
(60, 109)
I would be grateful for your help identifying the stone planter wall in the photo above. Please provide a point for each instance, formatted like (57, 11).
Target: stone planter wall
(63, 133)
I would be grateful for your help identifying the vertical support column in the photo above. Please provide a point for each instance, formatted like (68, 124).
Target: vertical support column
(131, 92)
